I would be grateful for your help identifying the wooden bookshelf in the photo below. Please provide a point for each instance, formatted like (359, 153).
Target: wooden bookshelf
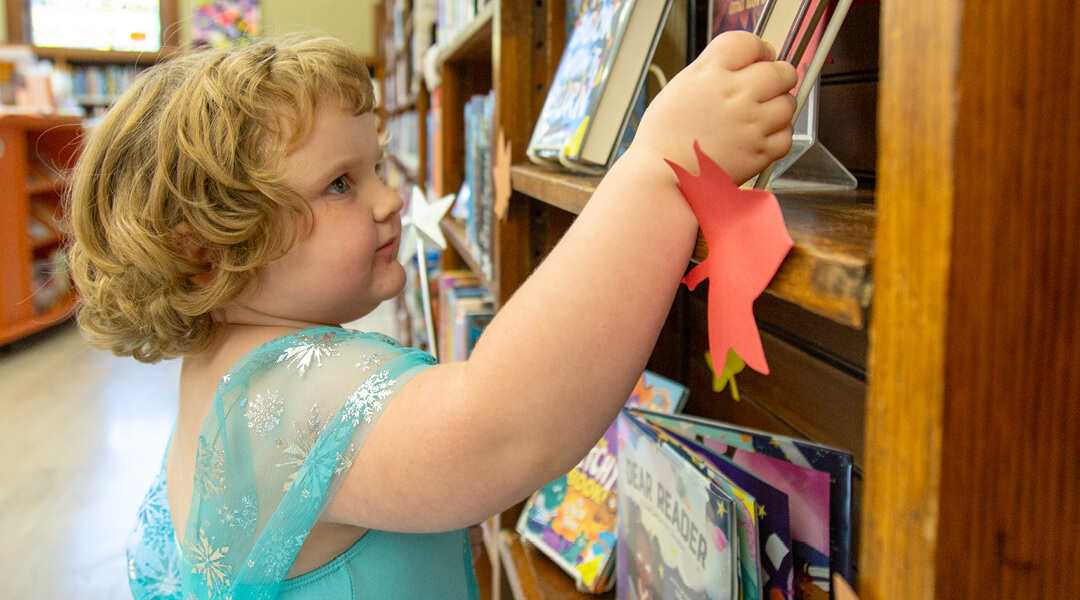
(79, 55)
(828, 272)
(454, 231)
(473, 42)
(916, 323)
(26, 140)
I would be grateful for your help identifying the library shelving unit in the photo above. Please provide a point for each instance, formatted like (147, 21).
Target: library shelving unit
(34, 288)
(928, 322)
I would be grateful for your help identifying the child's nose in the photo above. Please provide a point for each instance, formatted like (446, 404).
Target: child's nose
(388, 204)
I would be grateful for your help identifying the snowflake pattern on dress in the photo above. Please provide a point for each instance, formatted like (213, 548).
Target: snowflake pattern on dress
(209, 469)
(367, 400)
(282, 552)
(264, 412)
(308, 349)
(242, 515)
(208, 561)
(297, 449)
(368, 361)
(154, 516)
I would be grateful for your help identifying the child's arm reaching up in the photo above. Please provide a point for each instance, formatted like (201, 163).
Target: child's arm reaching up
(463, 441)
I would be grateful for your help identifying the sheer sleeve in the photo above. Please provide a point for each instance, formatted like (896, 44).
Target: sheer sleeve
(286, 425)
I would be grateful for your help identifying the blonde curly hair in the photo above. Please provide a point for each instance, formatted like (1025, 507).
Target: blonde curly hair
(191, 157)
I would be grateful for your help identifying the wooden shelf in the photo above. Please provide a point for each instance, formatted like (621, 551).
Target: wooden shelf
(533, 576)
(828, 272)
(455, 234)
(474, 41)
(39, 122)
(61, 311)
(45, 186)
(410, 172)
(102, 56)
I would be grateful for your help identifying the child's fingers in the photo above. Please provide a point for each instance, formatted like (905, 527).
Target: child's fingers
(770, 79)
(778, 144)
(778, 112)
(735, 50)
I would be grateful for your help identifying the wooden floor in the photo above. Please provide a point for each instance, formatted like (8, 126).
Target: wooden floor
(82, 435)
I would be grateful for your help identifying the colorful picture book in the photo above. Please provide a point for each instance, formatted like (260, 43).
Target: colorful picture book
(598, 79)
(677, 536)
(815, 478)
(572, 519)
(764, 529)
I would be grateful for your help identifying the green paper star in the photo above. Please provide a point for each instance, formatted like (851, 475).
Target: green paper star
(732, 367)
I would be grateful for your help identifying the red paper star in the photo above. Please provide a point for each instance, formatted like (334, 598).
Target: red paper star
(747, 242)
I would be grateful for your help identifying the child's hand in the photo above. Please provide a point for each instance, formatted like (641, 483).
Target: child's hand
(733, 99)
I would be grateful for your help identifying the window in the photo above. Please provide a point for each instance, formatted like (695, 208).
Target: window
(133, 25)
(111, 25)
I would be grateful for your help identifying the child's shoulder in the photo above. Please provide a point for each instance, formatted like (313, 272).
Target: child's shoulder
(305, 350)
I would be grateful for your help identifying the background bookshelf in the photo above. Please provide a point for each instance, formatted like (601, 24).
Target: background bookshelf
(916, 319)
(35, 289)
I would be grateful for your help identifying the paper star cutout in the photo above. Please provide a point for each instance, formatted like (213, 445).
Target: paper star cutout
(422, 221)
(500, 175)
(732, 367)
(747, 242)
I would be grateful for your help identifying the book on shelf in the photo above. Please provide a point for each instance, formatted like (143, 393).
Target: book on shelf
(572, 519)
(677, 531)
(763, 521)
(816, 479)
(475, 201)
(794, 28)
(599, 78)
(463, 310)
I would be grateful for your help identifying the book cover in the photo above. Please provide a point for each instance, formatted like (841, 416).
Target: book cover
(734, 15)
(745, 507)
(773, 550)
(572, 519)
(601, 71)
(817, 480)
(581, 75)
(676, 534)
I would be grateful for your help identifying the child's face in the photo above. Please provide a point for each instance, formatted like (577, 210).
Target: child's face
(347, 264)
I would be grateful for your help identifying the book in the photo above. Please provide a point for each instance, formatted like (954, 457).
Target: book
(443, 312)
(772, 553)
(596, 83)
(817, 480)
(677, 533)
(572, 519)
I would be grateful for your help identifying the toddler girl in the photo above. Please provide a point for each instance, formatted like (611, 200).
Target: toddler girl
(228, 211)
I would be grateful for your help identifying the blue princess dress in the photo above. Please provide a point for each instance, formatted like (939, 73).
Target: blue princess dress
(285, 425)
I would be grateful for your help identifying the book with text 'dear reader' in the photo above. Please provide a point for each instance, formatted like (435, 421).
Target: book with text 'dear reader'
(677, 535)
(597, 82)
(816, 478)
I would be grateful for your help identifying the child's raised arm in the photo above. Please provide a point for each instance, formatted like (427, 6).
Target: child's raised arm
(465, 440)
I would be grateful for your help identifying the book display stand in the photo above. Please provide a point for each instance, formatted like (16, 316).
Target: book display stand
(809, 166)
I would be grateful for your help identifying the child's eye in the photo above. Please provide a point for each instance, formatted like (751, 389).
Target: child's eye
(338, 186)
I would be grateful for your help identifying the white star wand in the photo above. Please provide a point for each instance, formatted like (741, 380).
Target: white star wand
(420, 226)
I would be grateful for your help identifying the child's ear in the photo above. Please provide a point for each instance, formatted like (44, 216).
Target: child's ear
(194, 248)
